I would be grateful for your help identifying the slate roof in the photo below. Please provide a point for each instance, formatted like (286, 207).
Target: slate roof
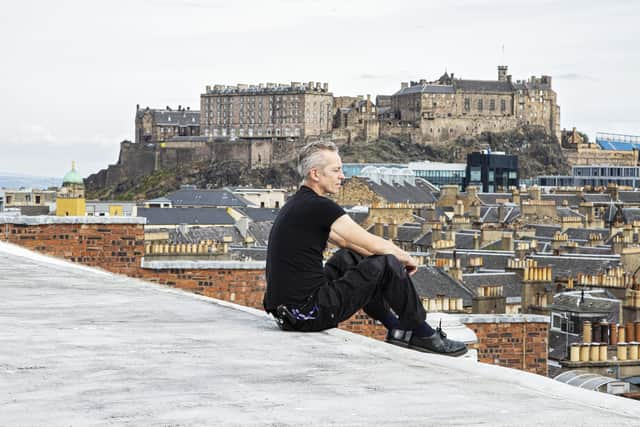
(490, 214)
(568, 212)
(194, 216)
(483, 85)
(631, 214)
(245, 254)
(431, 282)
(572, 200)
(464, 240)
(425, 88)
(202, 197)
(199, 234)
(592, 250)
(492, 198)
(629, 197)
(571, 265)
(582, 234)
(545, 231)
(597, 198)
(406, 232)
(610, 213)
(597, 303)
(260, 231)
(260, 214)
(494, 260)
(402, 193)
(510, 281)
(358, 217)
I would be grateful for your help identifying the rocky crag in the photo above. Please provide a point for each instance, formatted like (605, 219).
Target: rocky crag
(539, 153)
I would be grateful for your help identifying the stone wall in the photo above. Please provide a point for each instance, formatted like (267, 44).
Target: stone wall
(519, 341)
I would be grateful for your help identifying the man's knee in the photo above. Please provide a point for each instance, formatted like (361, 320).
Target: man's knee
(344, 259)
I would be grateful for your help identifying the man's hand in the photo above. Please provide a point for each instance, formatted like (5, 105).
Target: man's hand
(348, 234)
(411, 266)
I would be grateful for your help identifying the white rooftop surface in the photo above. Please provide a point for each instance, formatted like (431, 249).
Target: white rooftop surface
(79, 346)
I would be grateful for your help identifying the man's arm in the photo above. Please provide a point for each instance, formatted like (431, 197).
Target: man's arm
(340, 241)
(350, 235)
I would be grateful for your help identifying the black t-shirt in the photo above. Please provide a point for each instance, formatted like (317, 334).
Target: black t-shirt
(294, 256)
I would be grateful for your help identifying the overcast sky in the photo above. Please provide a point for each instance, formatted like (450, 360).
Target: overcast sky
(72, 72)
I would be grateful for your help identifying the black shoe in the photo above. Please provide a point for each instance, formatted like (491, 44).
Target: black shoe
(398, 337)
(285, 319)
(438, 343)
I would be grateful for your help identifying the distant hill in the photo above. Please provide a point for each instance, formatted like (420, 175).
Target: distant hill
(16, 181)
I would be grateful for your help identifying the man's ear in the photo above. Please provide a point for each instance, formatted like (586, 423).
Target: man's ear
(313, 174)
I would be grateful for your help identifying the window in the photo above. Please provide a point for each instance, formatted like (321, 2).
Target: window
(475, 174)
(467, 104)
(492, 105)
(503, 105)
(480, 106)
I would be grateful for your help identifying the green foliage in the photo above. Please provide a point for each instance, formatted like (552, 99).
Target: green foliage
(210, 175)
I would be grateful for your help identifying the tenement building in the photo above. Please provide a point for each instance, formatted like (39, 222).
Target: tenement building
(159, 125)
(450, 107)
(267, 110)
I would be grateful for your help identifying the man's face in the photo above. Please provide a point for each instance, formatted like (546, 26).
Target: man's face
(330, 175)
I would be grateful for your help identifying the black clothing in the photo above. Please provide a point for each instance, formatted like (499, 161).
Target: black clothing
(319, 298)
(294, 255)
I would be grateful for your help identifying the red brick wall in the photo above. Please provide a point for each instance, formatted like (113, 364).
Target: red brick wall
(362, 324)
(113, 247)
(514, 345)
(244, 287)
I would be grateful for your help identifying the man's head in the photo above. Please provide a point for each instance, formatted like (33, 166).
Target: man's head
(321, 167)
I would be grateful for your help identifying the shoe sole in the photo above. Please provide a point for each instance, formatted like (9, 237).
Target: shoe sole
(404, 344)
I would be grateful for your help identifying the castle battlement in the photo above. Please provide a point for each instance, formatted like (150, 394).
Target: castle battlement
(266, 88)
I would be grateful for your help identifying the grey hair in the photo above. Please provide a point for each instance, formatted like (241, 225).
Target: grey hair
(311, 156)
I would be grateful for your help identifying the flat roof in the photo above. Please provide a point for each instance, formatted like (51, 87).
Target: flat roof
(81, 346)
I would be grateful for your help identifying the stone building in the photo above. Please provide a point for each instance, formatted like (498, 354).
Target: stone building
(449, 107)
(70, 200)
(156, 125)
(358, 116)
(267, 110)
(579, 152)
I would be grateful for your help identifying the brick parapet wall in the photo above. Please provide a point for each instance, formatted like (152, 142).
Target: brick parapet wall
(520, 345)
(241, 286)
(115, 246)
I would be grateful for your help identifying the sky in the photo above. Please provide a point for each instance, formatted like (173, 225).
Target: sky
(73, 71)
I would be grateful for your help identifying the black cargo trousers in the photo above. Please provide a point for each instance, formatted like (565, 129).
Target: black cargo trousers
(375, 284)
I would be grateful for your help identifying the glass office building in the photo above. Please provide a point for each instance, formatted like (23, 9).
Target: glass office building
(437, 173)
(492, 172)
(594, 176)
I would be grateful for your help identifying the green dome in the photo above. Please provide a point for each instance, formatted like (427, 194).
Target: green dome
(72, 177)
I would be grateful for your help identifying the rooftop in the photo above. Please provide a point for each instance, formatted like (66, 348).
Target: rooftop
(85, 347)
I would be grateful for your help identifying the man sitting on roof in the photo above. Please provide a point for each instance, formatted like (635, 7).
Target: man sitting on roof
(368, 272)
